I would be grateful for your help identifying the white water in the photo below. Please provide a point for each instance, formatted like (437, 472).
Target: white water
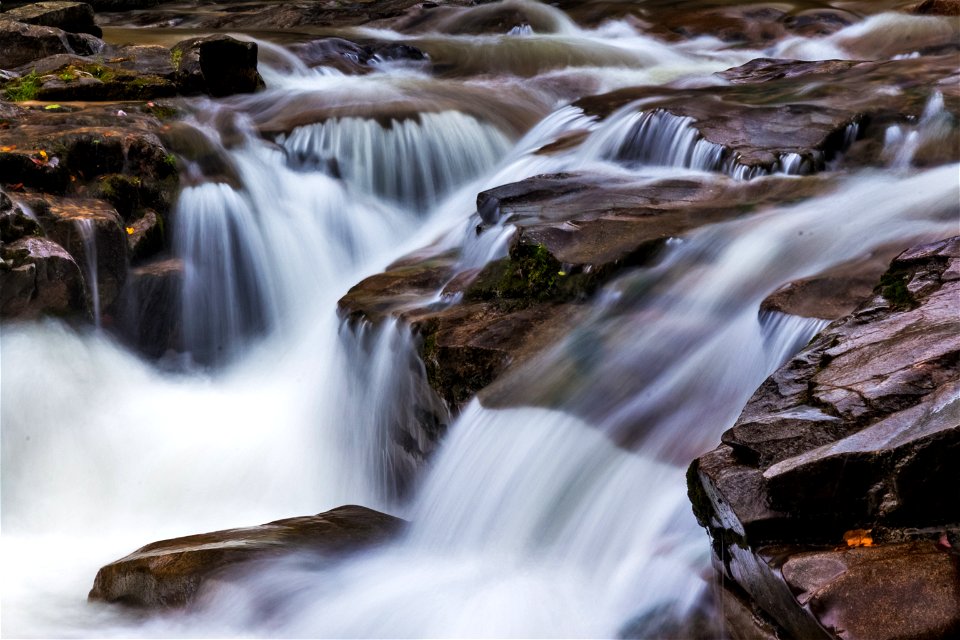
(530, 522)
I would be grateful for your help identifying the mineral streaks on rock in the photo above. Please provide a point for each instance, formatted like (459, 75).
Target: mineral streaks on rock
(859, 432)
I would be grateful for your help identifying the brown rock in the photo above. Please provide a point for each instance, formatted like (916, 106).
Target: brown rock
(169, 573)
(38, 277)
(75, 17)
(216, 65)
(24, 43)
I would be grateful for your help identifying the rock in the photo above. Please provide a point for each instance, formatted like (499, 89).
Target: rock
(356, 58)
(835, 292)
(216, 65)
(90, 230)
(24, 43)
(145, 237)
(170, 573)
(85, 81)
(38, 277)
(937, 8)
(75, 17)
(855, 439)
(14, 222)
(807, 114)
(573, 233)
(150, 313)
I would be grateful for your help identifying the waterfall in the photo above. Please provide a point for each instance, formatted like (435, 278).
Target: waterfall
(86, 227)
(413, 162)
(555, 504)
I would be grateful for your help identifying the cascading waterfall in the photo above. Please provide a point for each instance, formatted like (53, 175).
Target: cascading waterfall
(558, 508)
(88, 235)
(413, 161)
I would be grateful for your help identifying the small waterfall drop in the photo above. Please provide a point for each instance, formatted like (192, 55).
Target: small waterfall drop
(87, 230)
(413, 162)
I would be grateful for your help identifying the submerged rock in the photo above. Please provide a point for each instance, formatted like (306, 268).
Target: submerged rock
(170, 573)
(855, 441)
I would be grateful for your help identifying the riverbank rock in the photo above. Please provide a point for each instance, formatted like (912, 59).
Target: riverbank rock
(834, 499)
(25, 43)
(170, 573)
(810, 116)
(216, 65)
(75, 17)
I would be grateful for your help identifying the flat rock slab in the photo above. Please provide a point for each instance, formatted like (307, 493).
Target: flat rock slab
(169, 573)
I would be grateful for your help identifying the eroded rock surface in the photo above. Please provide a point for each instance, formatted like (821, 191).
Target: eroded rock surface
(170, 573)
(857, 439)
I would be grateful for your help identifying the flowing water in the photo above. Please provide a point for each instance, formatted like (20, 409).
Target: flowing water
(563, 513)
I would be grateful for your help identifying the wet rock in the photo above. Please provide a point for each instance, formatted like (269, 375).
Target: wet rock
(24, 43)
(806, 115)
(92, 232)
(14, 222)
(145, 236)
(75, 17)
(216, 65)
(356, 58)
(170, 573)
(835, 292)
(85, 81)
(937, 8)
(38, 277)
(150, 314)
(853, 441)
(573, 232)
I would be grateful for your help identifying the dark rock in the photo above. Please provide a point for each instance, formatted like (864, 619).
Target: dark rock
(145, 236)
(87, 227)
(75, 17)
(938, 8)
(150, 315)
(354, 58)
(38, 277)
(14, 223)
(216, 65)
(170, 573)
(855, 439)
(84, 81)
(24, 43)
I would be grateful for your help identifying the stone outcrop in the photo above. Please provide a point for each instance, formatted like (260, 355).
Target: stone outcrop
(216, 65)
(24, 43)
(833, 503)
(171, 573)
(75, 17)
(572, 233)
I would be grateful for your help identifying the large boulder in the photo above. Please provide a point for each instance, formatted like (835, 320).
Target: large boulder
(75, 17)
(23, 43)
(170, 573)
(216, 65)
(853, 442)
(38, 277)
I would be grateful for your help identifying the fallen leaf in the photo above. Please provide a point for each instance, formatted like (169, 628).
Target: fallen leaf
(858, 538)
(51, 107)
(130, 231)
(8, 147)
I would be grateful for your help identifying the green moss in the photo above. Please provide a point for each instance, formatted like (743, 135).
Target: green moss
(893, 287)
(176, 58)
(23, 88)
(68, 75)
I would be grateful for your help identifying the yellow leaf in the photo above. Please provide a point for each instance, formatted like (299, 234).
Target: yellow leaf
(9, 147)
(858, 538)
(43, 154)
(130, 231)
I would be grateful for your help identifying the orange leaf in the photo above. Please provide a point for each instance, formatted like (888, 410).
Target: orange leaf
(8, 147)
(858, 538)
(130, 231)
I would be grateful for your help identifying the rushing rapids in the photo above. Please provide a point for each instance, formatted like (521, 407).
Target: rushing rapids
(555, 505)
